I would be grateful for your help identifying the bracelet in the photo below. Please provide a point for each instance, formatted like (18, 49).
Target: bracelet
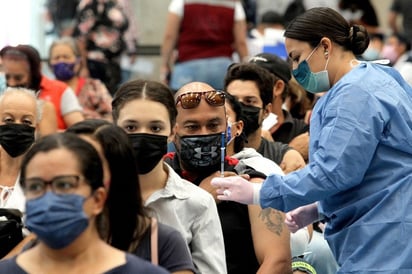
(302, 265)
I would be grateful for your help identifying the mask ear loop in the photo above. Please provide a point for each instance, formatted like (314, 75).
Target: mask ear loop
(310, 54)
(327, 59)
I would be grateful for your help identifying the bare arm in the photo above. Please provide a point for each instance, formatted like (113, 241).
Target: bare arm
(206, 183)
(169, 42)
(72, 118)
(301, 144)
(292, 160)
(239, 33)
(269, 231)
(48, 122)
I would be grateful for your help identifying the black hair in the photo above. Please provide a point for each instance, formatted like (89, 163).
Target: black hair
(89, 160)
(29, 54)
(272, 17)
(124, 203)
(239, 142)
(251, 72)
(144, 89)
(320, 22)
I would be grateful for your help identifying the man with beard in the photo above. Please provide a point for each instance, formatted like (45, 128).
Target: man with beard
(255, 239)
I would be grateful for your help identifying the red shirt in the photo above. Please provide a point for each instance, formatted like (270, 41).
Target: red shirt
(52, 91)
(206, 31)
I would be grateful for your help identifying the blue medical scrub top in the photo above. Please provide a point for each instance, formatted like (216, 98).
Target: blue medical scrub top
(360, 171)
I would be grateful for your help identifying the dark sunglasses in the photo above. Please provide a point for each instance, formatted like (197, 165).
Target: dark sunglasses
(189, 100)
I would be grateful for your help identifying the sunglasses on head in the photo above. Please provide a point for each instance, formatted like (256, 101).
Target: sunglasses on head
(189, 100)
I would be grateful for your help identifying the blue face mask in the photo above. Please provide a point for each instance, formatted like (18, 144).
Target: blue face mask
(64, 71)
(312, 82)
(230, 137)
(56, 219)
(371, 54)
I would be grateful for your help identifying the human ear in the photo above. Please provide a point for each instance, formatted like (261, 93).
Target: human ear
(99, 199)
(172, 134)
(326, 44)
(267, 110)
(239, 127)
(278, 88)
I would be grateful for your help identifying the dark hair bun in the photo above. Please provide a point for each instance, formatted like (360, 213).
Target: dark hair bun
(358, 39)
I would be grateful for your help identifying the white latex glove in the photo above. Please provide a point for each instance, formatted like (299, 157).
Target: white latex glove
(301, 217)
(237, 189)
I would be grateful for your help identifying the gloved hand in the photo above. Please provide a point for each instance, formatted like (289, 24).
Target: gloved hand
(301, 217)
(237, 188)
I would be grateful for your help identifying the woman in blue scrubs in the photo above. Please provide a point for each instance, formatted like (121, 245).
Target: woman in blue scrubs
(359, 176)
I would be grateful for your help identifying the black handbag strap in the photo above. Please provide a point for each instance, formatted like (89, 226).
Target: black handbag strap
(11, 214)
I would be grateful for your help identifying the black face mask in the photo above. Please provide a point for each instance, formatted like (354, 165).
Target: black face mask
(148, 150)
(16, 138)
(250, 117)
(200, 153)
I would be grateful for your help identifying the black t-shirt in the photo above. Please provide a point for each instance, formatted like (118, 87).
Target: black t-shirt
(234, 218)
(273, 150)
(290, 128)
(172, 249)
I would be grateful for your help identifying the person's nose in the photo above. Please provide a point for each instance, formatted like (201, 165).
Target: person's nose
(143, 130)
(204, 131)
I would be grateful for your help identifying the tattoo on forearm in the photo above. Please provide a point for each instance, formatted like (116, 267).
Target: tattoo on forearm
(272, 219)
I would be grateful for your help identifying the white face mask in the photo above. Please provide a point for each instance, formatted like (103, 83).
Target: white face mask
(3, 83)
(270, 121)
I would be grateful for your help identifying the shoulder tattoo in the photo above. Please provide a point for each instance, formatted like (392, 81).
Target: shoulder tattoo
(273, 220)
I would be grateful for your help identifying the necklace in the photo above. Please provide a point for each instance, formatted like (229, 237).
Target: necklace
(5, 193)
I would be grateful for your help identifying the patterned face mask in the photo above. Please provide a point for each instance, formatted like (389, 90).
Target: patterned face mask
(200, 153)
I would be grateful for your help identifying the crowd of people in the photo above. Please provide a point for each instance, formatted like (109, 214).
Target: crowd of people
(269, 144)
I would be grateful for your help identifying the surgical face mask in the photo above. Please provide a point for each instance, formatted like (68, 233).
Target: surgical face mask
(16, 139)
(310, 81)
(251, 118)
(270, 121)
(57, 220)
(389, 52)
(63, 71)
(200, 153)
(371, 54)
(148, 150)
(3, 82)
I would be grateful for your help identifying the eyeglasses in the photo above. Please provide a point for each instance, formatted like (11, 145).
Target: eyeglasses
(189, 100)
(65, 184)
